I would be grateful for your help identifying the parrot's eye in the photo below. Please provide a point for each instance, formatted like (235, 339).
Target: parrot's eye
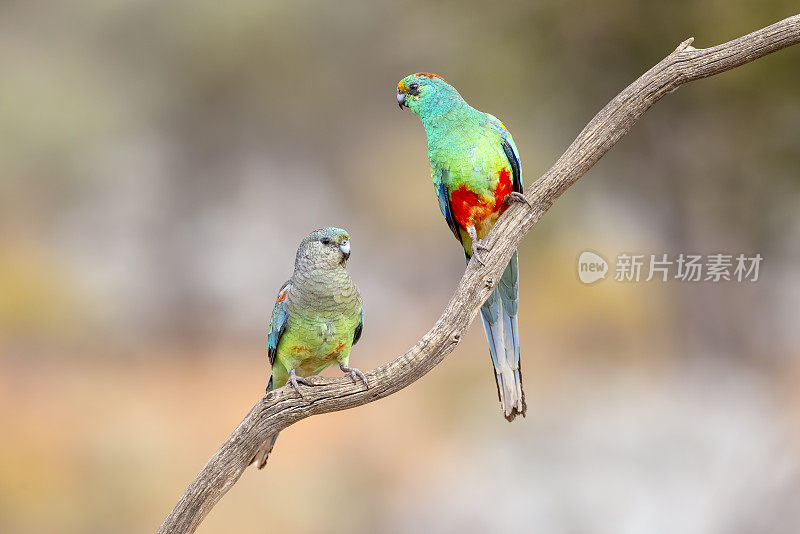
(326, 241)
(414, 86)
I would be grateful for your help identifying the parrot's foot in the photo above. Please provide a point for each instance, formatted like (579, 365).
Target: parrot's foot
(517, 197)
(294, 380)
(354, 373)
(477, 247)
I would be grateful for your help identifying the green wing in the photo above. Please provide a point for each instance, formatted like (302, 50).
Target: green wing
(510, 150)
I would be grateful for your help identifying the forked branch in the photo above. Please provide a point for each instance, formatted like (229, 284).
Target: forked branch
(281, 408)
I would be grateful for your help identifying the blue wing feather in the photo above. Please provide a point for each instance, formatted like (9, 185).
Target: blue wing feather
(359, 328)
(443, 195)
(516, 171)
(277, 327)
(277, 323)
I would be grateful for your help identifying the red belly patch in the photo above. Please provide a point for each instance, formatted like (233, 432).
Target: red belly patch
(468, 207)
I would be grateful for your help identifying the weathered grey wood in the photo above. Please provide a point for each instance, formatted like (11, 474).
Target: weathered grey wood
(283, 407)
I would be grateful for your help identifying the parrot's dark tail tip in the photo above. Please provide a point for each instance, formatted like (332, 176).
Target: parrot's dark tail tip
(262, 454)
(515, 412)
(519, 406)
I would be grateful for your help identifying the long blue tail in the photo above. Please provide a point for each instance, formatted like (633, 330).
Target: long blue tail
(499, 315)
(262, 454)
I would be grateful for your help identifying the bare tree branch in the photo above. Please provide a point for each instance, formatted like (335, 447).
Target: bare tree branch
(283, 407)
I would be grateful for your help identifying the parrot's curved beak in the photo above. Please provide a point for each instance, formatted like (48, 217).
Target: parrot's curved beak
(344, 246)
(401, 99)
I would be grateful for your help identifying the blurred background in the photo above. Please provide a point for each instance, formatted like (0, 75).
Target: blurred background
(160, 162)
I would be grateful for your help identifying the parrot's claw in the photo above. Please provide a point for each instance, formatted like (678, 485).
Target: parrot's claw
(476, 245)
(354, 373)
(476, 248)
(294, 380)
(517, 197)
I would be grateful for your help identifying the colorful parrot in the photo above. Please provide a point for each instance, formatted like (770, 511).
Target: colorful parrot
(476, 175)
(317, 318)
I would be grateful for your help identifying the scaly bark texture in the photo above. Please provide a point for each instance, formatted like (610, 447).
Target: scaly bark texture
(283, 407)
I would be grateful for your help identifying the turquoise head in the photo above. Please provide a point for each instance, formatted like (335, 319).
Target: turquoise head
(427, 95)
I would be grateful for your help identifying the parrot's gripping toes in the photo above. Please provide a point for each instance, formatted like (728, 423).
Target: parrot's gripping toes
(294, 380)
(514, 196)
(476, 245)
(354, 373)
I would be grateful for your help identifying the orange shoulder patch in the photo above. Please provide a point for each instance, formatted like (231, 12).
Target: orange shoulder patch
(282, 295)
